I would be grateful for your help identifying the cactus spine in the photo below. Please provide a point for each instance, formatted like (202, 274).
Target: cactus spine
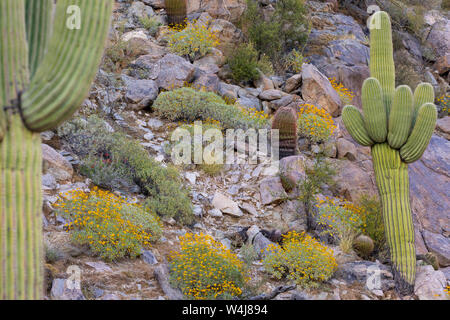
(54, 71)
(285, 120)
(398, 126)
(176, 12)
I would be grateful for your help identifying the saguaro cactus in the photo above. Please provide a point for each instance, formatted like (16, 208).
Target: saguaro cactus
(47, 65)
(285, 120)
(398, 126)
(176, 12)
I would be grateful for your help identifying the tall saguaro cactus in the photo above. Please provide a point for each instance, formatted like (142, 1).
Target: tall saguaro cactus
(47, 64)
(398, 126)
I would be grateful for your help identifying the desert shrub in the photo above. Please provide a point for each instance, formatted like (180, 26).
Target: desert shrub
(320, 174)
(108, 224)
(314, 123)
(112, 158)
(345, 94)
(287, 28)
(294, 61)
(52, 254)
(341, 220)
(244, 63)
(194, 41)
(152, 24)
(264, 34)
(265, 65)
(188, 104)
(301, 259)
(372, 215)
(215, 165)
(205, 269)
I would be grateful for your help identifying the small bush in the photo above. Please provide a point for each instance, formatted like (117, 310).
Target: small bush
(372, 216)
(215, 166)
(205, 269)
(111, 159)
(315, 124)
(110, 226)
(342, 220)
(188, 104)
(294, 61)
(152, 24)
(444, 102)
(244, 63)
(194, 41)
(301, 259)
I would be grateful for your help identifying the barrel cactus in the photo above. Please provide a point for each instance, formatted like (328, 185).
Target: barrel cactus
(398, 126)
(48, 60)
(176, 12)
(285, 121)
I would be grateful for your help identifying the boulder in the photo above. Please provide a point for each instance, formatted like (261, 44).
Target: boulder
(346, 149)
(65, 289)
(271, 94)
(140, 93)
(293, 83)
(292, 170)
(55, 164)
(442, 65)
(430, 284)
(443, 127)
(272, 190)
(439, 245)
(226, 205)
(439, 37)
(228, 35)
(230, 10)
(317, 89)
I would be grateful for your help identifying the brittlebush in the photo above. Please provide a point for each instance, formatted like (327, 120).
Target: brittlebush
(301, 259)
(108, 224)
(314, 123)
(205, 269)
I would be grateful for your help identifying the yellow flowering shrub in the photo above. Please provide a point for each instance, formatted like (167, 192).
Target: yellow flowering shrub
(205, 269)
(447, 290)
(314, 123)
(195, 40)
(301, 259)
(110, 226)
(444, 101)
(345, 94)
(341, 219)
(255, 118)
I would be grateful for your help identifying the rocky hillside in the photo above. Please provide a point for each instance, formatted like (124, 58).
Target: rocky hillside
(245, 207)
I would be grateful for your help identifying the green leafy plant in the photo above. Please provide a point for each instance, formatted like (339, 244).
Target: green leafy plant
(372, 216)
(244, 63)
(48, 65)
(188, 104)
(106, 155)
(294, 61)
(194, 41)
(152, 24)
(205, 269)
(398, 126)
(340, 221)
(301, 259)
(108, 224)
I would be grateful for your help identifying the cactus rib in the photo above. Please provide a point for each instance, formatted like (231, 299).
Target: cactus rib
(354, 123)
(400, 117)
(374, 110)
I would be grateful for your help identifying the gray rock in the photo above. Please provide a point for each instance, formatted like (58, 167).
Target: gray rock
(140, 93)
(271, 190)
(439, 245)
(366, 272)
(292, 169)
(430, 284)
(439, 37)
(317, 89)
(55, 164)
(226, 205)
(63, 289)
(49, 182)
(155, 123)
(270, 95)
(346, 149)
(148, 257)
(293, 83)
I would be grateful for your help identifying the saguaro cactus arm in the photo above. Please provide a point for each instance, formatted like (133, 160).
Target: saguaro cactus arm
(61, 68)
(65, 74)
(399, 127)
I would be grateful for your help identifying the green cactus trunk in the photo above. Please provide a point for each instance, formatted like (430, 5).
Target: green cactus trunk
(21, 265)
(392, 178)
(44, 77)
